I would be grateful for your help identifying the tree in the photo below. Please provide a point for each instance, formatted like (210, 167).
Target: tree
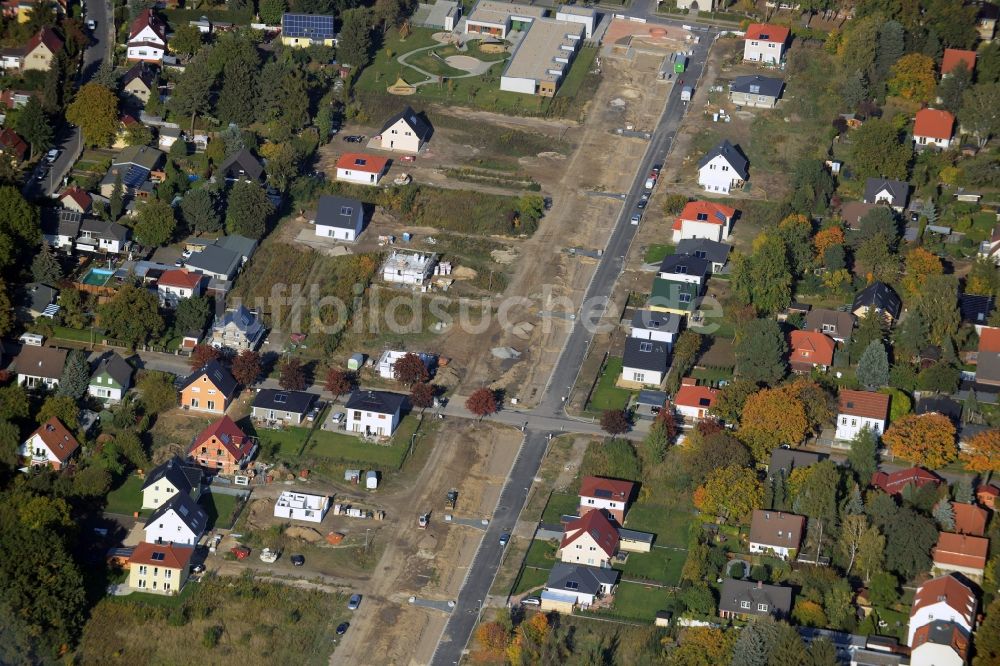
(763, 280)
(852, 532)
(944, 515)
(796, 233)
(338, 382)
(282, 164)
(186, 40)
(247, 210)
(132, 315)
(826, 238)
(355, 38)
(913, 78)
(981, 452)
(873, 366)
(117, 202)
(877, 151)
(952, 88)
(191, 93)
(854, 91)
(863, 456)
(614, 422)
(34, 125)
(938, 305)
(879, 221)
(979, 113)
(75, 377)
(45, 267)
(272, 10)
(703, 646)
(889, 49)
(729, 401)
(924, 439)
(156, 391)
(941, 377)
(883, 589)
(422, 395)
(246, 367)
(909, 542)
(191, 315)
(754, 644)
(760, 352)
(822, 653)
(237, 101)
(492, 637)
(812, 187)
(410, 369)
(983, 279)
(95, 112)
(482, 402)
(61, 407)
(202, 355)
(772, 417)
(155, 224)
(292, 375)
(14, 403)
(685, 353)
(140, 135)
(730, 492)
(988, 637)
(200, 211)
(661, 435)
(919, 265)
(910, 336)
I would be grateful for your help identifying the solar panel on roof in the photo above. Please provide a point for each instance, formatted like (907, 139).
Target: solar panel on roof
(312, 26)
(720, 216)
(135, 176)
(602, 492)
(158, 556)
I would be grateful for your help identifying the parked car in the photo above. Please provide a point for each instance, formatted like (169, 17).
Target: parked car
(52, 155)
(408, 158)
(269, 556)
(504, 539)
(91, 25)
(297, 560)
(656, 168)
(342, 628)
(313, 413)
(354, 138)
(337, 418)
(354, 602)
(531, 601)
(635, 218)
(644, 197)
(641, 204)
(197, 568)
(241, 552)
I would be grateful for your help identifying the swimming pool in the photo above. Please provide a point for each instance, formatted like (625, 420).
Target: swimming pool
(97, 277)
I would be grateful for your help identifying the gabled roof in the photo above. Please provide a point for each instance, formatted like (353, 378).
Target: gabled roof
(732, 155)
(307, 26)
(692, 395)
(961, 551)
(949, 590)
(786, 460)
(735, 593)
(145, 157)
(989, 339)
(141, 71)
(39, 296)
(148, 19)
(189, 511)
(939, 404)
(580, 579)
(45, 36)
(713, 251)
(12, 143)
(296, 402)
(897, 189)
(216, 374)
(417, 124)
(943, 633)
(47, 362)
(706, 211)
(841, 322)
(57, 439)
(880, 296)
(78, 195)
(811, 347)
(645, 355)
(596, 524)
(214, 259)
(339, 212)
(182, 477)
(933, 123)
(952, 57)
(233, 439)
(684, 264)
(115, 367)
(777, 529)
(241, 245)
(181, 279)
(609, 489)
(242, 164)
(757, 85)
(104, 229)
(895, 482)
(970, 519)
(654, 320)
(167, 556)
(866, 404)
(382, 402)
(767, 32)
(362, 162)
(243, 319)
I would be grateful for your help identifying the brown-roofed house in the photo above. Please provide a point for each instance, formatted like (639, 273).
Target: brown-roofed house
(970, 519)
(50, 445)
(838, 325)
(987, 496)
(776, 533)
(610, 495)
(75, 198)
(954, 57)
(944, 598)
(939, 643)
(12, 146)
(852, 212)
(39, 367)
(810, 349)
(591, 540)
(933, 127)
(222, 447)
(861, 409)
(962, 554)
(159, 568)
(894, 483)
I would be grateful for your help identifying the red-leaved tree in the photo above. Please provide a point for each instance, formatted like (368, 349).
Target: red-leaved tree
(339, 382)
(614, 422)
(410, 370)
(201, 355)
(292, 376)
(482, 402)
(246, 367)
(422, 395)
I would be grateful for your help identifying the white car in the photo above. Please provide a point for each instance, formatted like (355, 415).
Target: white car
(337, 418)
(92, 25)
(52, 155)
(269, 556)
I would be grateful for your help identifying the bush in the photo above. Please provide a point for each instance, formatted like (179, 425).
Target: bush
(210, 637)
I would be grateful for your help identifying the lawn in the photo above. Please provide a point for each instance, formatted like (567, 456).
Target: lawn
(606, 395)
(656, 252)
(530, 578)
(75, 334)
(559, 505)
(638, 602)
(670, 525)
(285, 443)
(541, 554)
(662, 565)
(577, 72)
(126, 499)
(219, 508)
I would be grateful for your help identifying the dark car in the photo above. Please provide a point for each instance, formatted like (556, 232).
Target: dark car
(342, 628)
(354, 138)
(298, 560)
(641, 205)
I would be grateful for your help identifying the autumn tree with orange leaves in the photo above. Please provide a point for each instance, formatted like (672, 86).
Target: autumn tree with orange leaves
(982, 452)
(923, 439)
(827, 238)
(730, 492)
(492, 637)
(482, 402)
(772, 417)
(919, 264)
(913, 77)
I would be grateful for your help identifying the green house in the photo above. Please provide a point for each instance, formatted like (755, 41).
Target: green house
(671, 296)
(111, 380)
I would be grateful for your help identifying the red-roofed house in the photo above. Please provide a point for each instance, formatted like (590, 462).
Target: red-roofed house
(960, 553)
(177, 284)
(895, 482)
(75, 198)
(610, 495)
(765, 42)
(810, 349)
(591, 540)
(987, 496)
(147, 39)
(222, 447)
(693, 401)
(361, 168)
(159, 568)
(703, 219)
(933, 127)
(15, 99)
(859, 410)
(970, 519)
(989, 340)
(38, 54)
(50, 445)
(953, 57)
(12, 146)
(939, 644)
(944, 598)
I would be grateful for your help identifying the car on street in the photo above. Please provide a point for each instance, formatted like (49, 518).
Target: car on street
(531, 601)
(342, 628)
(504, 539)
(297, 560)
(354, 138)
(52, 155)
(644, 197)
(91, 25)
(408, 158)
(313, 413)
(179, 262)
(656, 168)
(198, 568)
(914, 217)
(354, 602)
(641, 204)
(337, 418)
(635, 218)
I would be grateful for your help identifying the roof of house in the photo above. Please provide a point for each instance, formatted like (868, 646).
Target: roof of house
(362, 162)
(970, 519)
(767, 32)
(684, 264)
(182, 477)
(180, 278)
(244, 320)
(692, 395)
(189, 511)
(216, 374)
(731, 154)
(934, 123)
(47, 362)
(757, 85)
(598, 526)
(989, 339)
(45, 36)
(961, 550)
(39, 296)
(949, 590)
(609, 489)
(167, 556)
(296, 402)
(785, 460)
(57, 439)
(78, 195)
(811, 347)
(866, 404)
(713, 251)
(706, 211)
(308, 26)
(894, 482)
(147, 18)
(241, 245)
(580, 579)
(975, 308)
(880, 296)
(952, 57)
(777, 598)
(939, 404)
(339, 212)
(115, 367)
(897, 189)
(651, 398)
(142, 72)
(940, 632)
(654, 320)
(645, 355)
(667, 294)
(214, 259)
(853, 211)
(988, 367)
(235, 441)
(142, 156)
(841, 322)
(383, 402)
(776, 528)
(105, 230)
(11, 142)
(420, 127)
(242, 163)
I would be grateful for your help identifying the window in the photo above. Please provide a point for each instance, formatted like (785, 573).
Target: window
(725, 168)
(142, 570)
(166, 587)
(357, 416)
(854, 422)
(168, 573)
(745, 604)
(762, 608)
(210, 405)
(684, 298)
(142, 583)
(843, 420)
(638, 376)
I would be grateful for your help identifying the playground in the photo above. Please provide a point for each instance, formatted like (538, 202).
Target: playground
(447, 58)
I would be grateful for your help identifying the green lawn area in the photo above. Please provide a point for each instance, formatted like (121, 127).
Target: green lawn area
(78, 335)
(577, 72)
(219, 508)
(530, 578)
(662, 565)
(286, 443)
(126, 499)
(559, 505)
(638, 602)
(160, 600)
(656, 252)
(670, 525)
(541, 554)
(606, 395)
(711, 374)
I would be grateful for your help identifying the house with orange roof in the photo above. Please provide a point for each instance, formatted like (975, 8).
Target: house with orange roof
(609, 495)
(591, 540)
(222, 448)
(692, 401)
(51, 445)
(988, 495)
(940, 644)
(933, 127)
(159, 568)
(894, 483)
(361, 168)
(960, 553)
(970, 519)
(765, 42)
(946, 598)
(861, 409)
(953, 58)
(76, 199)
(810, 349)
(176, 284)
(987, 357)
(703, 219)
(12, 146)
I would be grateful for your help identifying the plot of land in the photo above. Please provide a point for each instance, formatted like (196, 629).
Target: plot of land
(606, 395)
(560, 504)
(670, 525)
(126, 498)
(219, 508)
(635, 601)
(662, 565)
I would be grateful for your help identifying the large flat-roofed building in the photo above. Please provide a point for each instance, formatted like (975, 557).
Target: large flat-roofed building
(585, 16)
(498, 19)
(543, 57)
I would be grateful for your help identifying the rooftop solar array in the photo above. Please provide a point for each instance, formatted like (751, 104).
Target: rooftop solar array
(310, 26)
(135, 176)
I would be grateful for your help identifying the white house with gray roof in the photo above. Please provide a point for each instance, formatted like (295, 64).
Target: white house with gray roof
(278, 405)
(894, 193)
(111, 379)
(339, 218)
(571, 585)
(98, 236)
(655, 325)
(238, 329)
(756, 91)
(723, 168)
(717, 254)
(374, 413)
(216, 262)
(644, 362)
(181, 521)
(171, 478)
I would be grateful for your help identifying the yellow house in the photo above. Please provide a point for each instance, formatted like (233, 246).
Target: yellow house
(41, 51)
(305, 30)
(591, 541)
(159, 569)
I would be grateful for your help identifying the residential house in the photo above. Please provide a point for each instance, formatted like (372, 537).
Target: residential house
(209, 389)
(894, 483)
(301, 506)
(644, 362)
(140, 83)
(374, 413)
(746, 599)
(37, 301)
(988, 358)
(216, 262)
(405, 132)
(716, 253)
(50, 445)
(947, 599)
(703, 219)
(14, 99)
(39, 367)
(111, 379)
(170, 478)
(852, 212)
(893, 193)
(655, 326)
(571, 585)
(168, 136)
(178, 284)
(988, 495)
(38, 54)
(938, 404)
(159, 568)
(986, 19)
(684, 268)
(933, 127)
(681, 298)
(859, 410)
(180, 520)
(244, 247)
(756, 91)
(102, 237)
(975, 309)
(970, 519)
(238, 330)
(940, 643)
(242, 166)
(832, 323)
(361, 168)
(305, 30)
(692, 402)
(222, 448)
(278, 405)
(776, 533)
(12, 146)
(147, 38)
(409, 267)
(649, 403)
(722, 169)
(591, 540)
(386, 364)
(783, 461)
(765, 43)
(609, 495)
(76, 199)
(880, 297)
(60, 228)
(339, 218)
(953, 58)
(133, 166)
(810, 349)
(960, 553)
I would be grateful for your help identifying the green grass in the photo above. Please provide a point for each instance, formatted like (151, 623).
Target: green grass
(559, 505)
(530, 578)
(219, 508)
(662, 565)
(606, 395)
(285, 443)
(670, 525)
(656, 252)
(126, 499)
(76, 334)
(638, 602)
(541, 554)
(577, 72)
